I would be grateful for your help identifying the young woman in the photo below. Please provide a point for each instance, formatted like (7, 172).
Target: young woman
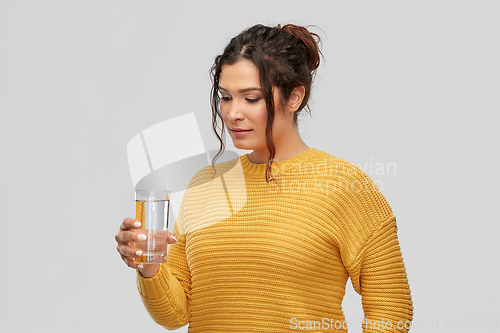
(266, 242)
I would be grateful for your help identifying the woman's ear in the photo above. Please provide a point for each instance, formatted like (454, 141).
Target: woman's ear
(296, 98)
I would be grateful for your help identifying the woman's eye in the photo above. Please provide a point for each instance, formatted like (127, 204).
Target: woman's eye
(253, 100)
(225, 98)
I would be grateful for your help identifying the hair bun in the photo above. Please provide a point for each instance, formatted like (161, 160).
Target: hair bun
(309, 41)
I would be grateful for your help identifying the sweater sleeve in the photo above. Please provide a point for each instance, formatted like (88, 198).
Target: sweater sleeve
(383, 284)
(166, 295)
(371, 254)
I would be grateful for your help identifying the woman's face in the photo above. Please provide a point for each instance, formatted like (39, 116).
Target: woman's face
(243, 100)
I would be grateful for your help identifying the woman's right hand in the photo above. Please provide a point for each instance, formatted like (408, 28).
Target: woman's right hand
(126, 238)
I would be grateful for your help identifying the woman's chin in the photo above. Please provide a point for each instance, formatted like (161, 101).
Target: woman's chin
(241, 147)
(238, 145)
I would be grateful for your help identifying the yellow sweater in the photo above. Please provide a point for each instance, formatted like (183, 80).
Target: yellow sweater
(257, 257)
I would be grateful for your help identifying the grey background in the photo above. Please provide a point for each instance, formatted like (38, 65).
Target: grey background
(410, 84)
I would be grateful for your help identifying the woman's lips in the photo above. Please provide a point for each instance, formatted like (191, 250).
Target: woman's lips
(240, 133)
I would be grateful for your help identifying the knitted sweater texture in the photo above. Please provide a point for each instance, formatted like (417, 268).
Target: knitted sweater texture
(253, 256)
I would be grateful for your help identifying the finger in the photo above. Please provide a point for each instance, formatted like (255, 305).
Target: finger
(130, 223)
(129, 236)
(130, 263)
(171, 239)
(128, 251)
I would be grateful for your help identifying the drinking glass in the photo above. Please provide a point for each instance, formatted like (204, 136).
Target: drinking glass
(152, 210)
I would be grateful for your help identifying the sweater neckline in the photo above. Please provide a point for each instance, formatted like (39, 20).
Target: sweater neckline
(277, 168)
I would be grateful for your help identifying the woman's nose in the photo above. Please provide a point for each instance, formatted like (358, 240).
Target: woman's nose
(235, 112)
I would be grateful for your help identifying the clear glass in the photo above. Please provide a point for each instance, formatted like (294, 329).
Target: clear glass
(152, 209)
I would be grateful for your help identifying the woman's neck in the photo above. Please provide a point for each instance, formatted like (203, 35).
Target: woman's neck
(282, 153)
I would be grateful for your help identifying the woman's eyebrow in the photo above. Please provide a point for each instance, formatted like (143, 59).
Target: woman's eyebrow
(241, 90)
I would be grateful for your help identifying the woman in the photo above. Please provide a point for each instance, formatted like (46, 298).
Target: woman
(267, 241)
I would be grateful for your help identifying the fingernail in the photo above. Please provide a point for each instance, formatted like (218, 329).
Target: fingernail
(141, 237)
(137, 224)
(140, 266)
(174, 239)
(138, 253)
